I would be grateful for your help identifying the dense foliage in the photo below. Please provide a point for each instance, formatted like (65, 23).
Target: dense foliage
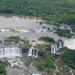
(61, 11)
(47, 39)
(14, 39)
(64, 33)
(23, 43)
(42, 47)
(68, 57)
(46, 63)
(2, 69)
(47, 60)
(64, 71)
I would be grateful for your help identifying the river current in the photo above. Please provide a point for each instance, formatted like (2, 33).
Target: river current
(28, 23)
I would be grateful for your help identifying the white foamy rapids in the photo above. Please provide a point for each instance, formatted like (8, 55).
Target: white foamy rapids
(33, 52)
(10, 52)
(69, 43)
(30, 52)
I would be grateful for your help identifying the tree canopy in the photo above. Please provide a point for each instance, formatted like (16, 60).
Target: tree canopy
(2, 69)
(68, 57)
(64, 33)
(47, 39)
(57, 11)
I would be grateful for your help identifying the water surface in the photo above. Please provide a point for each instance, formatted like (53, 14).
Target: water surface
(26, 22)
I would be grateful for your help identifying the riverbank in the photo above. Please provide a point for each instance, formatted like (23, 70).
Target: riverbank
(46, 9)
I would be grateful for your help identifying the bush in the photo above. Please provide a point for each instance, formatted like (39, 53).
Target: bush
(47, 39)
(64, 33)
(2, 69)
(68, 57)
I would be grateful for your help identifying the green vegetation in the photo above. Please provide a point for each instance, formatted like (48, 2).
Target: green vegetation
(45, 62)
(27, 60)
(64, 71)
(2, 69)
(47, 39)
(64, 33)
(42, 47)
(53, 11)
(68, 57)
(23, 43)
(14, 39)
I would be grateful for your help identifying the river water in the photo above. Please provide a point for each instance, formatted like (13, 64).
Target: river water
(7, 20)
(27, 22)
